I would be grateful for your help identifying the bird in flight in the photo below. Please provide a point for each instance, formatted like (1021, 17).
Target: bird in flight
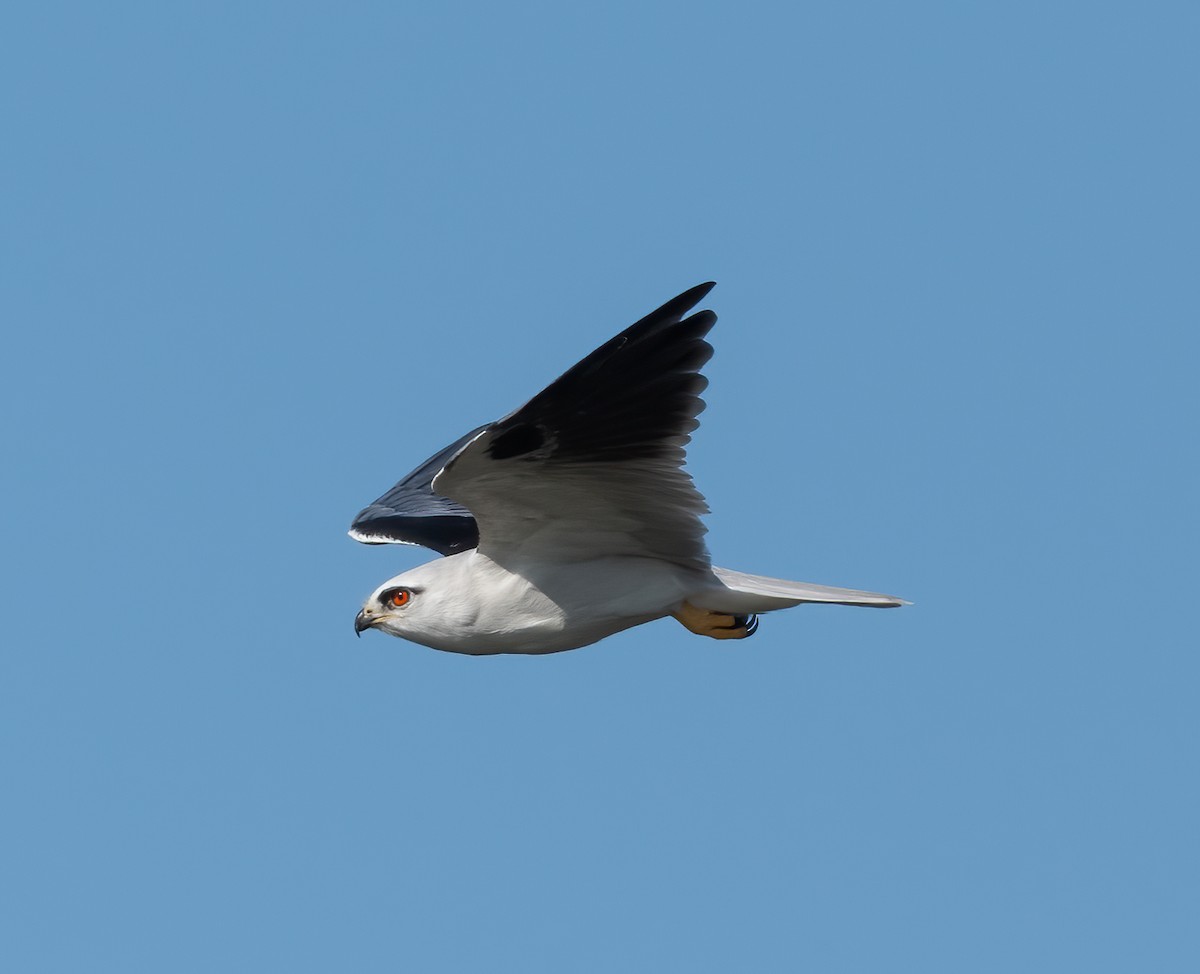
(572, 518)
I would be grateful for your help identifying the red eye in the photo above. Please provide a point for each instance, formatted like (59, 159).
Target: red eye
(400, 598)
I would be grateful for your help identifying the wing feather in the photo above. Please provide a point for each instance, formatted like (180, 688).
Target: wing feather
(593, 464)
(411, 513)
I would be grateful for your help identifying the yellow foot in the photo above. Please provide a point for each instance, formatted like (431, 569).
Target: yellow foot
(718, 625)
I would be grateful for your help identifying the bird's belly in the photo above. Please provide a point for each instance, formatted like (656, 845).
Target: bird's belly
(570, 606)
(549, 609)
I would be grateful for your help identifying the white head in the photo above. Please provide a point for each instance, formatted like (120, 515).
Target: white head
(425, 604)
(463, 603)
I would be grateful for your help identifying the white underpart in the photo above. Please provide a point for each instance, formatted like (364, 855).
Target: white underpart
(467, 603)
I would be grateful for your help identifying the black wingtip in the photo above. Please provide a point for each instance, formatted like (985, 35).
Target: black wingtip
(669, 314)
(681, 304)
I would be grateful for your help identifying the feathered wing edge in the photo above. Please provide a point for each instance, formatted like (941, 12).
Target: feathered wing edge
(412, 512)
(602, 445)
(635, 397)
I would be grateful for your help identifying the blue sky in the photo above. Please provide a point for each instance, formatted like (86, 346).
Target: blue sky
(259, 260)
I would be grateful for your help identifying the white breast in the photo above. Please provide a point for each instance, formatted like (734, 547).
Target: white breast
(470, 604)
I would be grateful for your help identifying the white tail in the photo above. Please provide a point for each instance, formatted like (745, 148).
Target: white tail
(739, 592)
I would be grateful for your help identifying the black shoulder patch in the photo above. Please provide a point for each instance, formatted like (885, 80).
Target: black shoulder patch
(516, 442)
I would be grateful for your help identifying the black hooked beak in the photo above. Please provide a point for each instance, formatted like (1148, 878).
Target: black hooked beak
(362, 621)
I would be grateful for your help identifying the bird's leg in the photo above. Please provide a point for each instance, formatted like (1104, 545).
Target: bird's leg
(717, 625)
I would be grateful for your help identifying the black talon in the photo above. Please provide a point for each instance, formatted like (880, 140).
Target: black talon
(747, 622)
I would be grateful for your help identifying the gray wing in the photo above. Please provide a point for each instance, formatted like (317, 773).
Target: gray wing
(411, 513)
(593, 465)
